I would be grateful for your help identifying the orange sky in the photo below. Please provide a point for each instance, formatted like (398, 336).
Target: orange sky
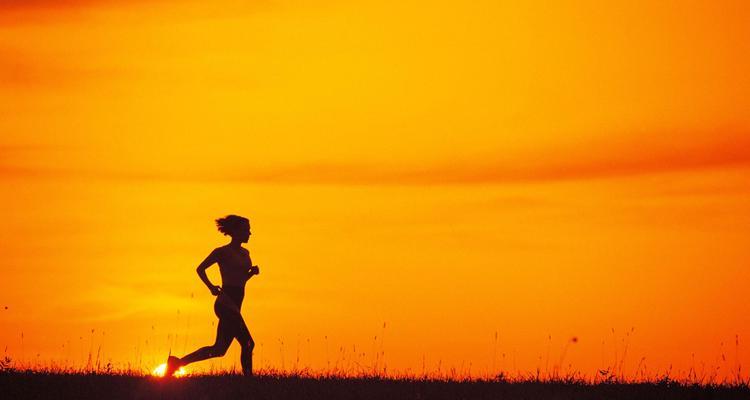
(540, 170)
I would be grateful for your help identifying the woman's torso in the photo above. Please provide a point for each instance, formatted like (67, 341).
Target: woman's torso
(234, 266)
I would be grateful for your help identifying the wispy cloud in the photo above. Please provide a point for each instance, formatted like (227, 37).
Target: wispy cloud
(586, 163)
(23, 69)
(60, 4)
(32, 8)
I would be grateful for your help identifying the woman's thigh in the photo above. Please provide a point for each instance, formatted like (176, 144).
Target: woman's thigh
(224, 333)
(242, 334)
(232, 325)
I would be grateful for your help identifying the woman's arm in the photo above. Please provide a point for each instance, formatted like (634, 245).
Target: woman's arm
(253, 270)
(209, 261)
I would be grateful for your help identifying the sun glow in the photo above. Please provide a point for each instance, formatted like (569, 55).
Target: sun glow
(159, 371)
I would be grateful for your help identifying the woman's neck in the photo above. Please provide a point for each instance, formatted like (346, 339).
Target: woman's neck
(235, 244)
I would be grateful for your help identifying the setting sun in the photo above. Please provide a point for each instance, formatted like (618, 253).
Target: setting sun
(159, 371)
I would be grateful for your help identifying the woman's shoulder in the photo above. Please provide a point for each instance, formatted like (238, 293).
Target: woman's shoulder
(221, 250)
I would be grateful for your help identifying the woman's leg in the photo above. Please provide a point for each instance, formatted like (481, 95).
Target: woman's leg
(246, 356)
(242, 334)
(219, 348)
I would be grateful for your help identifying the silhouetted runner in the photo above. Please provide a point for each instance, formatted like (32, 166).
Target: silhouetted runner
(235, 268)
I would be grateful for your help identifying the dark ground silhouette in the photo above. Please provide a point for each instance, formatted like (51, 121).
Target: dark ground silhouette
(19, 385)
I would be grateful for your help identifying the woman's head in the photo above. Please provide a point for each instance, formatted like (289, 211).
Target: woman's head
(235, 226)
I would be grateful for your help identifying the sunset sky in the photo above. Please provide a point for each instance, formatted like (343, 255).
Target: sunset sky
(463, 185)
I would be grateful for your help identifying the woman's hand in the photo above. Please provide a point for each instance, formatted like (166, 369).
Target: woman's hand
(215, 290)
(254, 270)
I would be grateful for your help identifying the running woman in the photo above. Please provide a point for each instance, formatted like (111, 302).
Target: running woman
(236, 269)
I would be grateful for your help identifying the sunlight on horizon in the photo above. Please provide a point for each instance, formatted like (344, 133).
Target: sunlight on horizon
(162, 368)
